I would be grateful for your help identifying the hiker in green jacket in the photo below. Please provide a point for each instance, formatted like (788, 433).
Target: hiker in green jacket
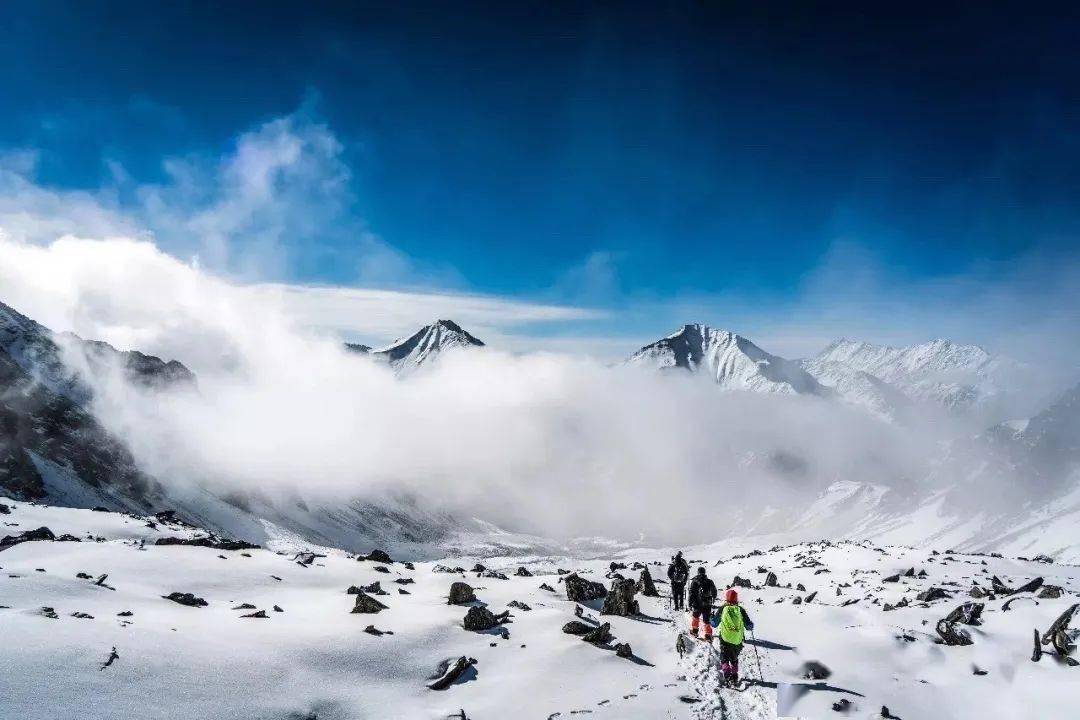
(734, 621)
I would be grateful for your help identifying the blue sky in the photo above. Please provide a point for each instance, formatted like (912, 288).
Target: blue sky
(785, 171)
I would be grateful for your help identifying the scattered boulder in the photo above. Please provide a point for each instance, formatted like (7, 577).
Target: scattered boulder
(1042, 559)
(461, 594)
(814, 670)
(372, 630)
(740, 582)
(800, 587)
(523, 571)
(951, 634)
(1050, 592)
(934, 593)
(446, 569)
(494, 574)
(42, 533)
(478, 568)
(208, 542)
(811, 596)
(479, 619)
(578, 589)
(842, 705)
(448, 671)
(969, 613)
(1059, 634)
(771, 580)
(187, 599)
(367, 604)
(380, 556)
(576, 627)
(261, 615)
(382, 569)
(518, 605)
(244, 606)
(645, 584)
(892, 578)
(49, 612)
(277, 608)
(620, 601)
(624, 650)
(1036, 655)
(4, 509)
(545, 586)
(599, 636)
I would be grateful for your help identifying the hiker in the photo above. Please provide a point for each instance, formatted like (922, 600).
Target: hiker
(734, 621)
(702, 597)
(678, 572)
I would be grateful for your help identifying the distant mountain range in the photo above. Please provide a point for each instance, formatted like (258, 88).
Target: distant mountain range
(54, 449)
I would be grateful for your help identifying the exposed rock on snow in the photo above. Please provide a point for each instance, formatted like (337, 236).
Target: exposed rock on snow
(576, 627)
(599, 636)
(970, 613)
(448, 671)
(208, 542)
(578, 589)
(952, 634)
(461, 594)
(620, 601)
(645, 584)
(42, 533)
(184, 598)
(367, 604)
(479, 619)
(425, 346)
(624, 650)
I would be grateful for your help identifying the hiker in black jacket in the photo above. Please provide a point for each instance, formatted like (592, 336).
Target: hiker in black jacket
(678, 573)
(702, 597)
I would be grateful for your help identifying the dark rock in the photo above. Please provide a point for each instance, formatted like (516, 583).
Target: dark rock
(186, 599)
(124, 613)
(367, 604)
(842, 705)
(740, 582)
(244, 606)
(922, 574)
(66, 537)
(4, 509)
(1050, 592)
(523, 572)
(624, 650)
(1043, 559)
(978, 592)
(892, 578)
(545, 586)
(578, 589)
(380, 556)
(374, 588)
(42, 533)
(616, 566)
(83, 576)
(813, 670)
(811, 596)
(208, 542)
(82, 616)
(409, 566)
(445, 569)
(403, 591)
(800, 587)
(1058, 633)
(478, 568)
(910, 572)
(620, 601)
(404, 581)
(934, 593)
(277, 608)
(448, 671)
(969, 613)
(976, 670)
(1036, 655)
(517, 604)
(381, 568)
(645, 584)
(494, 574)
(479, 619)
(460, 594)
(261, 615)
(49, 612)
(576, 627)
(770, 580)
(372, 630)
(952, 634)
(1030, 586)
(599, 636)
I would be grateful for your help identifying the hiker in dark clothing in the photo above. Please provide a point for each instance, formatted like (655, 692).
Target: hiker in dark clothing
(734, 621)
(678, 572)
(702, 597)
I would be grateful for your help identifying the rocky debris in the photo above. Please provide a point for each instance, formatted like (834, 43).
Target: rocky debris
(892, 578)
(578, 589)
(479, 619)
(1059, 634)
(372, 630)
(124, 613)
(113, 657)
(448, 671)
(4, 509)
(367, 604)
(1001, 588)
(374, 588)
(305, 559)
(49, 612)
(260, 614)
(379, 556)
(811, 596)
(814, 670)
(494, 574)
(800, 587)
(740, 582)
(886, 715)
(616, 566)
(446, 569)
(842, 705)
(523, 571)
(978, 592)
(187, 599)
(1050, 592)
(408, 566)
(403, 591)
(970, 613)
(561, 571)
(576, 627)
(951, 634)
(624, 650)
(382, 569)
(244, 606)
(460, 594)
(517, 604)
(404, 581)
(42, 533)
(620, 600)
(82, 615)
(478, 568)
(932, 594)
(277, 608)
(771, 580)
(545, 586)
(599, 636)
(645, 584)
(208, 542)
(1042, 559)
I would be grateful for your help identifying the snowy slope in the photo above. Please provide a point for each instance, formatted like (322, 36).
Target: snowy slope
(832, 603)
(859, 388)
(732, 361)
(424, 346)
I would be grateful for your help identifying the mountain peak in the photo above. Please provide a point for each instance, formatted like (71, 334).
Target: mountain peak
(426, 344)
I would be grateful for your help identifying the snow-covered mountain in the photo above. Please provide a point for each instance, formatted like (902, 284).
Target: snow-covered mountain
(951, 374)
(422, 347)
(734, 362)
(860, 388)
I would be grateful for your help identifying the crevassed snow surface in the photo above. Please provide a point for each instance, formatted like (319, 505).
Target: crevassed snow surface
(314, 660)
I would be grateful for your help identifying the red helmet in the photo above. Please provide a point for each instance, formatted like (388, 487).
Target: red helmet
(731, 596)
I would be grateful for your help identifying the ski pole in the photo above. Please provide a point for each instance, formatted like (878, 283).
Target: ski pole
(757, 657)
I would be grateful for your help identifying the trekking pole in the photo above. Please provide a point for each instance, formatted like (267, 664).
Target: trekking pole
(757, 657)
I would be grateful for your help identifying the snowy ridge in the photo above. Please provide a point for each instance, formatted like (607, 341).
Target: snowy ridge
(424, 346)
(731, 360)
